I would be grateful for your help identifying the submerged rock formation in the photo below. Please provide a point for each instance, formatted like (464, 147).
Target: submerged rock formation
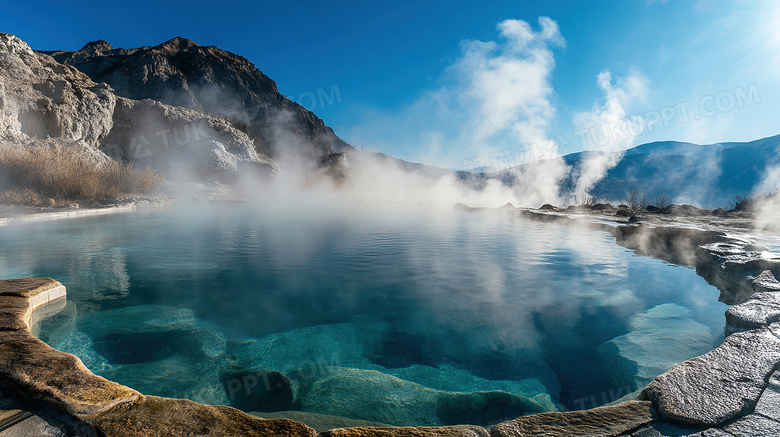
(658, 339)
(375, 396)
(35, 371)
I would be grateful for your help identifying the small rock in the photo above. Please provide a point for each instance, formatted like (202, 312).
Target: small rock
(754, 425)
(761, 309)
(683, 211)
(769, 403)
(766, 281)
(548, 207)
(602, 421)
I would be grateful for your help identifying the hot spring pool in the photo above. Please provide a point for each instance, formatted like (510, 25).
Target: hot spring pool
(402, 318)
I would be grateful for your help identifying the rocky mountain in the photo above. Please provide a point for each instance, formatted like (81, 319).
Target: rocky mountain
(42, 101)
(182, 73)
(182, 144)
(706, 175)
(47, 103)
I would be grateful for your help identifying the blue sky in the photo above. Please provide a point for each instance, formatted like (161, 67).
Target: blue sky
(469, 83)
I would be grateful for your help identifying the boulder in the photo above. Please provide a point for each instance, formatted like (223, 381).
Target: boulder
(676, 210)
(720, 385)
(761, 309)
(602, 207)
(35, 370)
(766, 281)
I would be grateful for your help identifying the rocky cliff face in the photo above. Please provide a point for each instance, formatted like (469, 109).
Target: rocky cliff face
(182, 73)
(181, 143)
(41, 98)
(47, 103)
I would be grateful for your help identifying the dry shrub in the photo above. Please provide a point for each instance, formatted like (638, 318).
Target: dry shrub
(20, 197)
(65, 175)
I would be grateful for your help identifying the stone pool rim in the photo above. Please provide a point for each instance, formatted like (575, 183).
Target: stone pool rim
(115, 410)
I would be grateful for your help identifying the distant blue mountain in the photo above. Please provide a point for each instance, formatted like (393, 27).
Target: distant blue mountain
(706, 175)
(703, 175)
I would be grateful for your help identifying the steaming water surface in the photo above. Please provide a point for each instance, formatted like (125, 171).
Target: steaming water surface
(397, 304)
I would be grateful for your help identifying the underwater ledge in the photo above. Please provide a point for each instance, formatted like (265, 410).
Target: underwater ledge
(733, 390)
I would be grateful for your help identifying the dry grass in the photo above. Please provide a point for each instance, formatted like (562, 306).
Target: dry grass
(32, 176)
(20, 197)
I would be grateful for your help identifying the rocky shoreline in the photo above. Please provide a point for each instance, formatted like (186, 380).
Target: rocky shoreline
(732, 390)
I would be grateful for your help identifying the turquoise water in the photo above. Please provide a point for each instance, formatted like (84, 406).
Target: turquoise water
(398, 317)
